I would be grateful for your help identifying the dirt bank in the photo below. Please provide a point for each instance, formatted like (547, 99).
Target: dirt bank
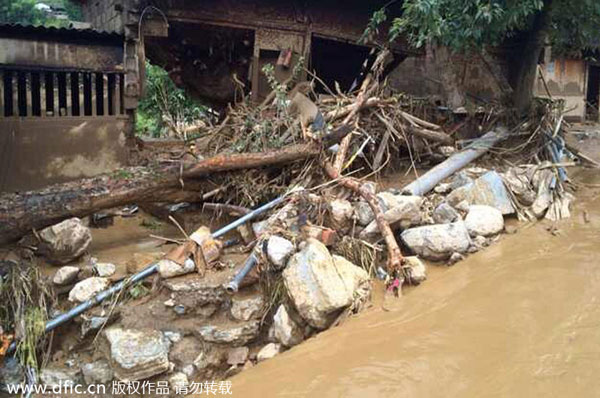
(517, 319)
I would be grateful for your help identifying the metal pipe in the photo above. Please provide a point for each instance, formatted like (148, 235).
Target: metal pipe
(429, 180)
(146, 272)
(234, 284)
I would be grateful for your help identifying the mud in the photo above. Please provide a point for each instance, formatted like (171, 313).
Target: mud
(517, 319)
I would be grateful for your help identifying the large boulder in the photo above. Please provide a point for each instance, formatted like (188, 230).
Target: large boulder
(284, 330)
(236, 335)
(320, 284)
(487, 190)
(437, 242)
(399, 211)
(484, 220)
(87, 288)
(418, 271)
(137, 354)
(65, 241)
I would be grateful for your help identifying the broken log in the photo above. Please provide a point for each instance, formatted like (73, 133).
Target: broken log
(20, 213)
(394, 254)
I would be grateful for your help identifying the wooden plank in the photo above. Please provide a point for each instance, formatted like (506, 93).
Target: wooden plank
(55, 94)
(15, 93)
(105, 93)
(68, 94)
(2, 88)
(42, 94)
(93, 86)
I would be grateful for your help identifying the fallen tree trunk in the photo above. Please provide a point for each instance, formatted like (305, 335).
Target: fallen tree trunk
(21, 213)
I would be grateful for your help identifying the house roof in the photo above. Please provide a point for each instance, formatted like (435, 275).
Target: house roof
(63, 34)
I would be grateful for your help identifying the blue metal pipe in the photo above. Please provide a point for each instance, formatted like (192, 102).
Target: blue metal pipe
(234, 284)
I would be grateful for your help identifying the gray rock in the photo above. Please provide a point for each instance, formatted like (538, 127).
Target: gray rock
(460, 179)
(236, 335)
(244, 309)
(484, 220)
(341, 212)
(442, 188)
(208, 359)
(320, 284)
(87, 288)
(418, 272)
(268, 351)
(445, 214)
(105, 269)
(480, 241)
(65, 241)
(437, 242)
(189, 370)
(11, 371)
(92, 324)
(279, 250)
(65, 275)
(284, 330)
(403, 212)
(98, 372)
(487, 190)
(178, 382)
(173, 337)
(259, 227)
(454, 258)
(364, 213)
(170, 269)
(54, 376)
(237, 356)
(137, 354)
(370, 186)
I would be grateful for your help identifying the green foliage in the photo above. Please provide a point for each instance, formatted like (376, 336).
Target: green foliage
(24, 12)
(164, 105)
(468, 24)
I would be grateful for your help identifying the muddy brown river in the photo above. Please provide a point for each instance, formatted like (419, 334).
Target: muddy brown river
(519, 319)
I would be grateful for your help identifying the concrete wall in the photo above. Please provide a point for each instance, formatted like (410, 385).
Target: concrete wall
(567, 80)
(422, 75)
(36, 152)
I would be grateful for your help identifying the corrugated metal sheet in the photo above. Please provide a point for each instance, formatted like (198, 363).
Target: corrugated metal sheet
(63, 34)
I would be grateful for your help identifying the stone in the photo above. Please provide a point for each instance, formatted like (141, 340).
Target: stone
(445, 214)
(235, 335)
(87, 288)
(454, 258)
(463, 206)
(480, 241)
(173, 337)
(137, 354)
(484, 220)
(11, 371)
(437, 242)
(268, 352)
(279, 251)
(370, 186)
(259, 227)
(442, 188)
(406, 212)
(418, 272)
(459, 179)
(341, 212)
(189, 370)
(169, 268)
(65, 275)
(237, 356)
(64, 242)
(54, 376)
(284, 330)
(487, 190)
(320, 284)
(244, 309)
(98, 372)
(139, 261)
(207, 359)
(364, 213)
(178, 382)
(105, 269)
(92, 324)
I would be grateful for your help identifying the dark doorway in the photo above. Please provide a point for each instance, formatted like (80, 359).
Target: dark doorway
(593, 92)
(335, 61)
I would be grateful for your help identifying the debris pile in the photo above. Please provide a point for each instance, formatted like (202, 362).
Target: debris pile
(204, 304)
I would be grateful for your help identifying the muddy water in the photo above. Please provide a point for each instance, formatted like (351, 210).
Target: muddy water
(520, 319)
